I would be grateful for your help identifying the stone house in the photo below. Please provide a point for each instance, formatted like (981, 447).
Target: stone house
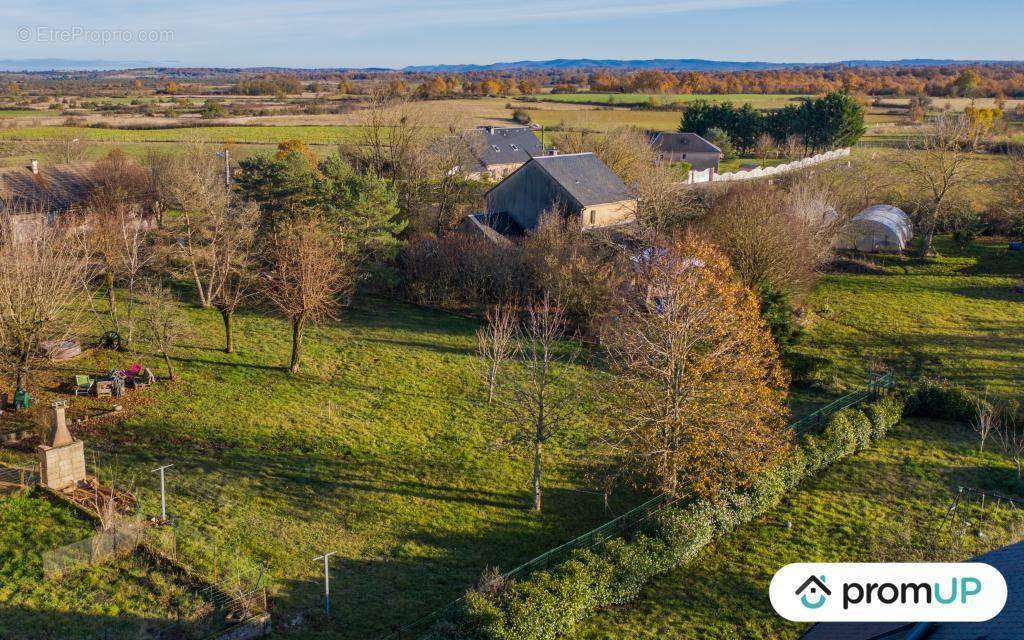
(495, 152)
(577, 184)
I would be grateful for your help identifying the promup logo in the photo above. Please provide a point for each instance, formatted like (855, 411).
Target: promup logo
(896, 592)
(815, 589)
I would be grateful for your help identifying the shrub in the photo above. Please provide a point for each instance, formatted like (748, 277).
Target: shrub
(934, 398)
(548, 604)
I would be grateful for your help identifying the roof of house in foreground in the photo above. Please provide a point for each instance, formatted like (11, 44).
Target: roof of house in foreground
(588, 180)
(1008, 625)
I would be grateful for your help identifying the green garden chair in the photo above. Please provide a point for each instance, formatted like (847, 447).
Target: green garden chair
(83, 385)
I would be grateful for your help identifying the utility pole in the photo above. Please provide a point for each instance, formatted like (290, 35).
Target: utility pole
(327, 581)
(226, 154)
(67, 150)
(163, 492)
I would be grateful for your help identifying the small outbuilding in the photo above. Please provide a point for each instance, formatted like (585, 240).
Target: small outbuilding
(880, 228)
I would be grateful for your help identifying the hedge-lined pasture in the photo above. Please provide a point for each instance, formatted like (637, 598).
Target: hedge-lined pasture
(847, 514)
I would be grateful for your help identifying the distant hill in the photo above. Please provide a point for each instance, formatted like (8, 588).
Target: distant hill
(686, 64)
(43, 65)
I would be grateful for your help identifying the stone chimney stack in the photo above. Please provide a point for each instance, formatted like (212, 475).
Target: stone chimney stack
(62, 460)
(35, 167)
(59, 434)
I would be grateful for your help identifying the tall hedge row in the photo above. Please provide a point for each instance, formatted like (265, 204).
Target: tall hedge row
(550, 603)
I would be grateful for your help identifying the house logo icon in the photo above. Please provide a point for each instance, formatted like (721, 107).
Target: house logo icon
(814, 592)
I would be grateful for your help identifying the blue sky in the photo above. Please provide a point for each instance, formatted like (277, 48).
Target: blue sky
(395, 33)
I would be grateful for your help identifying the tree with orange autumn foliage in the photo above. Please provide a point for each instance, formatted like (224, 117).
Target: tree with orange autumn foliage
(702, 391)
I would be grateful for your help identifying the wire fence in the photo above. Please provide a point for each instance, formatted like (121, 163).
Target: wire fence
(123, 537)
(225, 589)
(639, 518)
(975, 515)
(14, 478)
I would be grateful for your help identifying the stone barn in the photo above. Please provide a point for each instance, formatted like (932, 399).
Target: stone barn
(577, 184)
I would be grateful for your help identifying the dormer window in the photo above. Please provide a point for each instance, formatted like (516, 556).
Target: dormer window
(496, 149)
(514, 147)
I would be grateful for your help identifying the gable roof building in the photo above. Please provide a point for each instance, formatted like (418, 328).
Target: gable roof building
(498, 151)
(576, 184)
(673, 147)
(45, 189)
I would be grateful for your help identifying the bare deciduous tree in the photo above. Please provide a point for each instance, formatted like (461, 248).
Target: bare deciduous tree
(764, 146)
(390, 142)
(794, 147)
(494, 341)
(1011, 436)
(117, 233)
(773, 237)
(540, 403)
(310, 270)
(196, 186)
(231, 264)
(43, 273)
(935, 171)
(986, 419)
(163, 321)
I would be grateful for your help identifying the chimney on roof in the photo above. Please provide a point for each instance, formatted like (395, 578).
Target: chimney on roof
(35, 167)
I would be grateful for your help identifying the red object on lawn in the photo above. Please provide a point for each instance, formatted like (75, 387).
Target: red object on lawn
(133, 371)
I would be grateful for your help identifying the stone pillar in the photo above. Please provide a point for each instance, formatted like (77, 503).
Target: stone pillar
(62, 460)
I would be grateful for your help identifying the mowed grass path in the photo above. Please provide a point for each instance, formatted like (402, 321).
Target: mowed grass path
(382, 450)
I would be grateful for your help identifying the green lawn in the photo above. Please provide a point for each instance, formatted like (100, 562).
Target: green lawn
(957, 316)
(853, 512)
(127, 597)
(382, 450)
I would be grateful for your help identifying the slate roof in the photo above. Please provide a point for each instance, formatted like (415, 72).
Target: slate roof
(1008, 625)
(503, 145)
(669, 142)
(588, 180)
(54, 188)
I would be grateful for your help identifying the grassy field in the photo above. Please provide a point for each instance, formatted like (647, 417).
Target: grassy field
(225, 134)
(957, 316)
(850, 513)
(125, 598)
(382, 450)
